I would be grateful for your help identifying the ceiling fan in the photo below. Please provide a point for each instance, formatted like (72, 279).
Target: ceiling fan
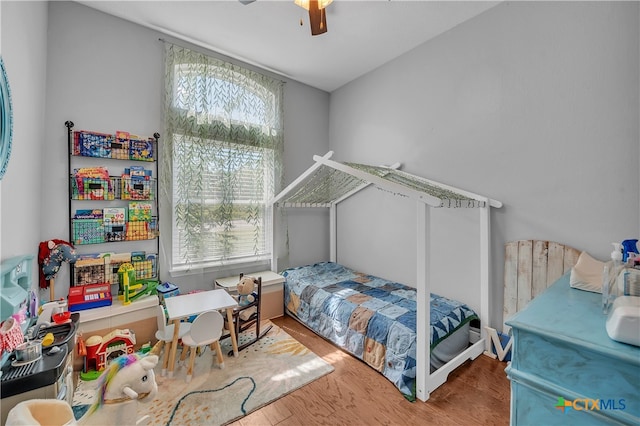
(317, 13)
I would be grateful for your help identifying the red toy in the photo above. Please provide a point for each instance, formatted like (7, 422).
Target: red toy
(101, 350)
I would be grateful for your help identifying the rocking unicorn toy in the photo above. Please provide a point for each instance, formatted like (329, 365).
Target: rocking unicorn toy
(127, 380)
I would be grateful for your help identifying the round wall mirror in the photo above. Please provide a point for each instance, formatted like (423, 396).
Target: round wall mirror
(6, 120)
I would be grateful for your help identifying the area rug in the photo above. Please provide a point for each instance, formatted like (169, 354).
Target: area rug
(272, 367)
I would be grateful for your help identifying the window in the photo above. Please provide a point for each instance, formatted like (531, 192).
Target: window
(222, 159)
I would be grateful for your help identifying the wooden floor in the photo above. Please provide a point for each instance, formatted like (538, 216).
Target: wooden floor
(477, 393)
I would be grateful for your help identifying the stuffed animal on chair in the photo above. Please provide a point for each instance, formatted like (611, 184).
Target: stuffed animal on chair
(245, 289)
(246, 296)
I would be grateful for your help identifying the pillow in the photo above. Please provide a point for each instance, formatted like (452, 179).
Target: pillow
(587, 274)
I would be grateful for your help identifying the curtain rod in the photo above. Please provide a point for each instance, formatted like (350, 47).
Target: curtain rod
(277, 75)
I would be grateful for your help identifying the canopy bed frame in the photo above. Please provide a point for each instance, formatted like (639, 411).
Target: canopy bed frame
(327, 183)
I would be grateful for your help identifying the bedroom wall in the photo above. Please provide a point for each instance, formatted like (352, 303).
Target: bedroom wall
(106, 74)
(23, 49)
(535, 104)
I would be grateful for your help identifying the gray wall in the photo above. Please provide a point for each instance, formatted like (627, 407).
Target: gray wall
(106, 74)
(23, 47)
(534, 104)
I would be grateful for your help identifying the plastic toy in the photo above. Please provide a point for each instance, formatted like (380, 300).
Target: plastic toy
(126, 280)
(100, 350)
(142, 288)
(128, 380)
(167, 289)
(629, 247)
(129, 287)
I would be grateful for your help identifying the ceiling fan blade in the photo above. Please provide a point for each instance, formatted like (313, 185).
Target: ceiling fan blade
(245, 2)
(317, 18)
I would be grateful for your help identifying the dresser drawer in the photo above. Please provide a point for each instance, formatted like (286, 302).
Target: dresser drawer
(531, 405)
(590, 373)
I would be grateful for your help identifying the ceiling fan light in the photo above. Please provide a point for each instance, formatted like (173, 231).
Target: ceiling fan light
(305, 3)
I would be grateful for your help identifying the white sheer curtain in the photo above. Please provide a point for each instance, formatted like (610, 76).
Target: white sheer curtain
(221, 162)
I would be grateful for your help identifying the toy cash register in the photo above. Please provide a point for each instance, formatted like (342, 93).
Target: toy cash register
(89, 296)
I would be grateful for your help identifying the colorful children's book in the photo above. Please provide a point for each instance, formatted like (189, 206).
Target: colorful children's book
(92, 183)
(88, 214)
(114, 215)
(145, 266)
(114, 221)
(138, 173)
(138, 256)
(120, 147)
(140, 211)
(141, 149)
(93, 144)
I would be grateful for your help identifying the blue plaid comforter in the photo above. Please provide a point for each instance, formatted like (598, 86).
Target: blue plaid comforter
(370, 317)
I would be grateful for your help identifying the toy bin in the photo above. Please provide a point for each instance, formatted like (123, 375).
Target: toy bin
(146, 267)
(114, 232)
(167, 289)
(89, 271)
(85, 188)
(137, 189)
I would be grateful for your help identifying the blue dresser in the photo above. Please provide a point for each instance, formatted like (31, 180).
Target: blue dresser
(565, 370)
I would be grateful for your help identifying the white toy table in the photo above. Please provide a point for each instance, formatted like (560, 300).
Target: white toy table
(186, 305)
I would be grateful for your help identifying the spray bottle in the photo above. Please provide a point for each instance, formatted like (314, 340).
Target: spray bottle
(609, 275)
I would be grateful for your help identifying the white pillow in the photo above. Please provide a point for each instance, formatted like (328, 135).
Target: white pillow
(587, 274)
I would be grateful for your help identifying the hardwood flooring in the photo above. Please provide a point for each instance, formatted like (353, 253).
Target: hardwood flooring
(476, 393)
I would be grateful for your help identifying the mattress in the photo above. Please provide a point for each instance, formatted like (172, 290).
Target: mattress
(373, 318)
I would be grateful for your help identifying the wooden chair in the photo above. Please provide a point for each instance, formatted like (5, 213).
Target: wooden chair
(206, 329)
(242, 325)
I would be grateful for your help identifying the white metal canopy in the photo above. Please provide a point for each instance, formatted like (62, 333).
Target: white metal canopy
(326, 183)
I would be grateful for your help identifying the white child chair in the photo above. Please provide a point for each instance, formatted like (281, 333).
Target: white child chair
(165, 334)
(206, 329)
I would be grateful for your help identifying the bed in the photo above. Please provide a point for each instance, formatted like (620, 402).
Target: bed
(326, 184)
(374, 319)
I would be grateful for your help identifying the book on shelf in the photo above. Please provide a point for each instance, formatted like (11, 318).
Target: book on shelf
(137, 173)
(140, 211)
(140, 148)
(114, 215)
(137, 256)
(120, 148)
(88, 214)
(136, 183)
